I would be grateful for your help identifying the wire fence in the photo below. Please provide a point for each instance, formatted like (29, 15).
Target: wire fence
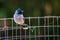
(40, 28)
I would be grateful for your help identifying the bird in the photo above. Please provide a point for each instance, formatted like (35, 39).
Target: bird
(19, 18)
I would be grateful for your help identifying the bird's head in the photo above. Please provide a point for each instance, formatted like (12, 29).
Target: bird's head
(19, 11)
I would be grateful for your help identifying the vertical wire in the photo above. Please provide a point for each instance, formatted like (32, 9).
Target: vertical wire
(29, 28)
(5, 30)
(16, 31)
(20, 33)
(25, 34)
(57, 28)
(35, 34)
(38, 27)
(53, 29)
(48, 27)
(12, 29)
(45, 27)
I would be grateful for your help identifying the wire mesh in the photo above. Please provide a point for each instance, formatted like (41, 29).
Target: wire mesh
(40, 28)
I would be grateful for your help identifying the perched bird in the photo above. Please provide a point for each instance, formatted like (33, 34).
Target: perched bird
(19, 18)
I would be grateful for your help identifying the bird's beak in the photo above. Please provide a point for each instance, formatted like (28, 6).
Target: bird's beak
(22, 11)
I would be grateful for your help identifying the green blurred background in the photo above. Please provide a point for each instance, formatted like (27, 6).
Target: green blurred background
(30, 7)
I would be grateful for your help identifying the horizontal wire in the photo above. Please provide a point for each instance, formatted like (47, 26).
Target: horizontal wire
(10, 28)
(33, 17)
(31, 36)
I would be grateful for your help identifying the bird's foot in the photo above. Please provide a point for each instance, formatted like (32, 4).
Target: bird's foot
(25, 26)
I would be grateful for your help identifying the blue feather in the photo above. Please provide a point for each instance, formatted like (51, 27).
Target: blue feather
(19, 11)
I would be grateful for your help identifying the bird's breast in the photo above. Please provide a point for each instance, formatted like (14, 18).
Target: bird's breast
(19, 21)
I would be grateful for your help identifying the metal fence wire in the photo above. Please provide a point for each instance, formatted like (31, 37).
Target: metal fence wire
(40, 28)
